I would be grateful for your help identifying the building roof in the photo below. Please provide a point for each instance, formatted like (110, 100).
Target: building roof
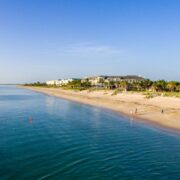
(119, 77)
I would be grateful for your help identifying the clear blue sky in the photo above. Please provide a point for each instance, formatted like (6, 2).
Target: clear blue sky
(50, 39)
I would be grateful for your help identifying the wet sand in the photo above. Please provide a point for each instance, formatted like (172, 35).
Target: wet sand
(148, 110)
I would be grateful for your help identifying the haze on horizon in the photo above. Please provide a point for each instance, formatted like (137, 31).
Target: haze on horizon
(42, 40)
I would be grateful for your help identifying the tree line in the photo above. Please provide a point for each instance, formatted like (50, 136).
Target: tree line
(157, 86)
(145, 85)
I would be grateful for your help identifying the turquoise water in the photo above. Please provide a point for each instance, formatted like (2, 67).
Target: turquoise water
(43, 137)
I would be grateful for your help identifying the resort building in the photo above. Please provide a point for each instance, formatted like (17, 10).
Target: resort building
(99, 80)
(51, 83)
(62, 82)
(59, 82)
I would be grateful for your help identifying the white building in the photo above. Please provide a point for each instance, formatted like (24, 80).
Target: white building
(59, 82)
(62, 82)
(51, 83)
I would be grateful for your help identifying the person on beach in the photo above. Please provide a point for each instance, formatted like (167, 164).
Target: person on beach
(136, 111)
(162, 111)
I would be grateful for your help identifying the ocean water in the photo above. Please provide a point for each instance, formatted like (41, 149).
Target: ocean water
(43, 137)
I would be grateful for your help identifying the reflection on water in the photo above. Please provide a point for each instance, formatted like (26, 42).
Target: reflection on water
(42, 137)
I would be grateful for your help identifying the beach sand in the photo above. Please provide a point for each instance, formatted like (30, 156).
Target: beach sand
(148, 110)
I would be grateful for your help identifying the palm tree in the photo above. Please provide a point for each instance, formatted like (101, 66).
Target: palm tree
(146, 84)
(137, 85)
(159, 85)
(124, 85)
(117, 84)
(106, 84)
(111, 84)
(172, 86)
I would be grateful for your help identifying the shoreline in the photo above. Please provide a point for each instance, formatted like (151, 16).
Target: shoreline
(148, 110)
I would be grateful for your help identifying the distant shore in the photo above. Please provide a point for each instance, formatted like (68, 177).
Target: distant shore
(161, 111)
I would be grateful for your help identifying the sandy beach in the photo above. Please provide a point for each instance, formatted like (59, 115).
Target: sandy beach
(126, 103)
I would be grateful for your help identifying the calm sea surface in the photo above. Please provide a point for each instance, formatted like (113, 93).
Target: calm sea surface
(43, 137)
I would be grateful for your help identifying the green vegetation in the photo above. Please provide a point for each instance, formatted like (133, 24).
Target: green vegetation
(38, 84)
(163, 94)
(78, 85)
(149, 88)
(116, 92)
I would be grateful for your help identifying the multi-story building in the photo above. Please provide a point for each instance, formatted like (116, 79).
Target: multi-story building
(99, 80)
(59, 82)
(51, 83)
(62, 82)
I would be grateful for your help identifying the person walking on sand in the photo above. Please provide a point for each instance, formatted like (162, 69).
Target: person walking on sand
(162, 111)
(136, 111)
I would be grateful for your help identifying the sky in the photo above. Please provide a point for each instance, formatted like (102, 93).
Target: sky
(50, 39)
